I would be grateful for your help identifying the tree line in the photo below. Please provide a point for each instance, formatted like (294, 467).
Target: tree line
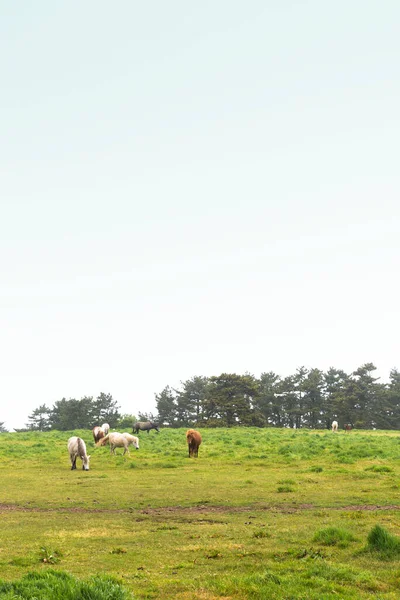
(308, 398)
(83, 413)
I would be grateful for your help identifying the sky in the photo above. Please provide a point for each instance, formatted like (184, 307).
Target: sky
(192, 188)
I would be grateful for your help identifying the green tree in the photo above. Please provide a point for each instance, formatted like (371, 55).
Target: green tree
(166, 407)
(2, 428)
(299, 380)
(105, 410)
(313, 387)
(392, 401)
(39, 420)
(125, 421)
(287, 393)
(335, 406)
(71, 414)
(234, 397)
(268, 404)
(365, 395)
(190, 401)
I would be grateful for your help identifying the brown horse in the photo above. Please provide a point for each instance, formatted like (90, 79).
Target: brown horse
(194, 440)
(348, 427)
(98, 433)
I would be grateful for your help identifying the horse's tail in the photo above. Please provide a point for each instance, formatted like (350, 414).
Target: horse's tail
(103, 441)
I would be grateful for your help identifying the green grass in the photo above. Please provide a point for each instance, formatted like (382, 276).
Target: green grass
(332, 536)
(383, 543)
(57, 585)
(262, 513)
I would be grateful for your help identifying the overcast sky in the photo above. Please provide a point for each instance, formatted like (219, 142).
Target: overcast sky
(189, 188)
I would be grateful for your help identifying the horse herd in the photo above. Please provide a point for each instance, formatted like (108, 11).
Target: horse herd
(102, 437)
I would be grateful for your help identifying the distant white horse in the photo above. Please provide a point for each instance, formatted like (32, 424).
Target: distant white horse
(77, 447)
(335, 425)
(119, 440)
(106, 428)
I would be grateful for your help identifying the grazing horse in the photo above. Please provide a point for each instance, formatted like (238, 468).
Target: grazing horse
(77, 447)
(98, 433)
(348, 427)
(335, 425)
(106, 428)
(194, 440)
(119, 440)
(144, 426)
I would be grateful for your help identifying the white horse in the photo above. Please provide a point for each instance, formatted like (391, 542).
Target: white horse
(119, 440)
(106, 428)
(335, 426)
(77, 447)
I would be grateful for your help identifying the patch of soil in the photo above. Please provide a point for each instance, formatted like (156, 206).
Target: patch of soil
(201, 509)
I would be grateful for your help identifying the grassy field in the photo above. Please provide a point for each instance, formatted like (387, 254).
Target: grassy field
(262, 513)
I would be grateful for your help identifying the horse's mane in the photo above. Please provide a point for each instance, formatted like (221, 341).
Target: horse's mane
(192, 434)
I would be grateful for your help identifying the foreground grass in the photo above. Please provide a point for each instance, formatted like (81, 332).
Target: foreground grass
(261, 513)
(53, 585)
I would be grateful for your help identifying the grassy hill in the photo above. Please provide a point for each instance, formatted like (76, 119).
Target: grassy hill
(262, 513)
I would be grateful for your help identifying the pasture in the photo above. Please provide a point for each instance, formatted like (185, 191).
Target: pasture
(261, 513)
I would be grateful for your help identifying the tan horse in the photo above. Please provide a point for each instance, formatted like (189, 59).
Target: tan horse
(119, 440)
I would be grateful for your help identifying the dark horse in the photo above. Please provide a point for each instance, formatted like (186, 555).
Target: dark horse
(193, 438)
(144, 426)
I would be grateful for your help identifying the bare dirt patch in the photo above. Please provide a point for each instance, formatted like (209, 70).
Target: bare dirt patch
(201, 509)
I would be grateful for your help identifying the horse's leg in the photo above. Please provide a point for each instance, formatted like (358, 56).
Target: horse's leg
(73, 463)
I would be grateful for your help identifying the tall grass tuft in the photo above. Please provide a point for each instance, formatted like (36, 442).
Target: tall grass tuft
(334, 536)
(58, 585)
(383, 542)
